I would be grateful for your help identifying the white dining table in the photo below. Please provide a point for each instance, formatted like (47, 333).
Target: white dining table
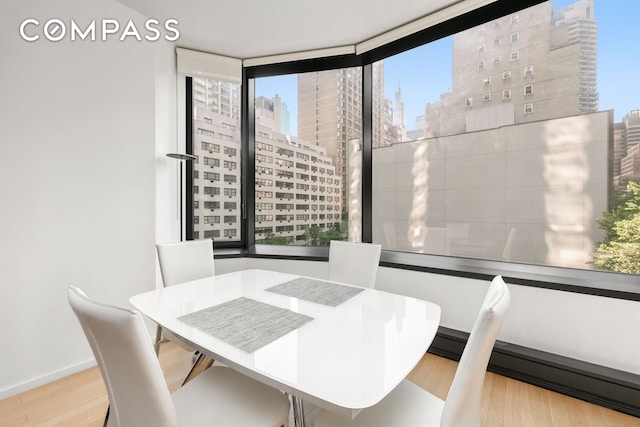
(344, 358)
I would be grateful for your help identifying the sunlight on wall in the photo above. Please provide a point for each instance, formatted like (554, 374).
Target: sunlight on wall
(417, 232)
(528, 193)
(568, 205)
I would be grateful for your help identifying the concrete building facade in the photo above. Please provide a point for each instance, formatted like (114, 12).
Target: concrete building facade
(526, 193)
(536, 64)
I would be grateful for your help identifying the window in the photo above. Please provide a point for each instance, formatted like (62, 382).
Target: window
(210, 147)
(496, 59)
(210, 234)
(528, 89)
(528, 71)
(455, 205)
(432, 210)
(212, 219)
(261, 158)
(211, 162)
(300, 144)
(212, 191)
(210, 176)
(215, 117)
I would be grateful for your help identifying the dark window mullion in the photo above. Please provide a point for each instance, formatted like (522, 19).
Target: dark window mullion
(367, 146)
(188, 182)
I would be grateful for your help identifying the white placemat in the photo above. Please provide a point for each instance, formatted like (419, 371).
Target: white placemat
(317, 291)
(246, 323)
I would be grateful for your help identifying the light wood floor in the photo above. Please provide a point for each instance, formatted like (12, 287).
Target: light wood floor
(81, 400)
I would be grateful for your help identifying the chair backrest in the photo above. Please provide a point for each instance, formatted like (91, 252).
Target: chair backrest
(138, 393)
(184, 261)
(354, 263)
(462, 406)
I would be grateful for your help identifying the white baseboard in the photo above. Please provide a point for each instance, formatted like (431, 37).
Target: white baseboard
(45, 379)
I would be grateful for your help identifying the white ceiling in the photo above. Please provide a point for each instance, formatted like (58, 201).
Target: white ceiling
(249, 28)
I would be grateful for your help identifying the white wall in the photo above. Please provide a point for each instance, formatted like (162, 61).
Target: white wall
(77, 180)
(593, 329)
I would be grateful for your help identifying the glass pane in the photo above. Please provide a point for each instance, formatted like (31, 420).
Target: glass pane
(509, 140)
(308, 129)
(216, 144)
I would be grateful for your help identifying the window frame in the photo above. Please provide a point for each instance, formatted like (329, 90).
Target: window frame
(189, 182)
(594, 282)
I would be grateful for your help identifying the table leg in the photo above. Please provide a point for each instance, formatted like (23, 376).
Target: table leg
(202, 362)
(298, 411)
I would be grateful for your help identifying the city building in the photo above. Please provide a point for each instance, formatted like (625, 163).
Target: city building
(297, 188)
(273, 113)
(218, 97)
(626, 138)
(330, 113)
(533, 65)
(216, 175)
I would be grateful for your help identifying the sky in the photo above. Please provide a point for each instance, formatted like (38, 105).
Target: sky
(424, 73)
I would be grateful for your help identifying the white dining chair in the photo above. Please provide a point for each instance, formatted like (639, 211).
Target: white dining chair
(185, 261)
(354, 263)
(138, 393)
(181, 262)
(411, 405)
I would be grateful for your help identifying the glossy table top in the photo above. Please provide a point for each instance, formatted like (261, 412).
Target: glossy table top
(346, 359)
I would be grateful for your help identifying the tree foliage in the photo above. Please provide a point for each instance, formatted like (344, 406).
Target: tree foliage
(272, 239)
(620, 249)
(316, 237)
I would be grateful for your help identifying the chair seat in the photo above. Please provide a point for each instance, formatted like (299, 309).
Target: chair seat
(221, 396)
(407, 405)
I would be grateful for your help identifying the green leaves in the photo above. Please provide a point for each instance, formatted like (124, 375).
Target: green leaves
(620, 250)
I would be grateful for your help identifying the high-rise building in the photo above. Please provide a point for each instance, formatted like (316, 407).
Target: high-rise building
(575, 25)
(329, 113)
(297, 188)
(399, 114)
(630, 164)
(631, 122)
(619, 151)
(216, 145)
(536, 64)
(218, 97)
(216, 171)
(626, 156)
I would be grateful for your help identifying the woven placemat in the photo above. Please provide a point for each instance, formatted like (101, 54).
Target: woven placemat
(246, 323)
(317, 291)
